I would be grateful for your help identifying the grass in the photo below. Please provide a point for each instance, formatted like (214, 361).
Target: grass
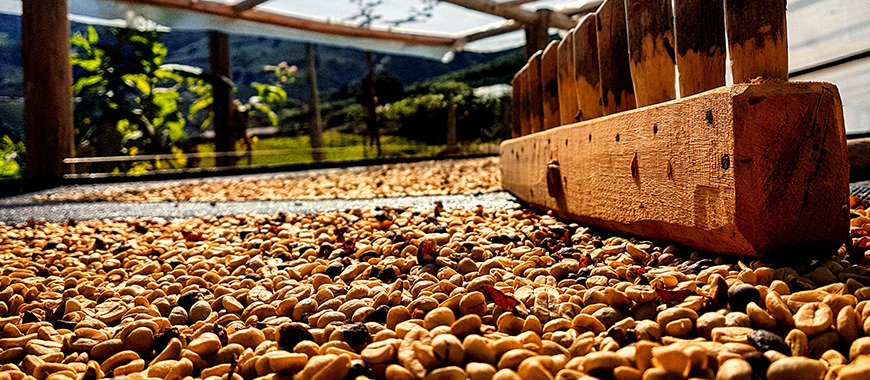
(337, 147)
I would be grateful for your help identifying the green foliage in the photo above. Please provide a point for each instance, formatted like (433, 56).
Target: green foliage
(11, 158)
(128, 102)
(499, 70)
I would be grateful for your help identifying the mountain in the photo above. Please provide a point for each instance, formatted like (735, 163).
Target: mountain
(338, 73)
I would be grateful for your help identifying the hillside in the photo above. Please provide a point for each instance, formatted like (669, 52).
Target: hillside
(339, 69)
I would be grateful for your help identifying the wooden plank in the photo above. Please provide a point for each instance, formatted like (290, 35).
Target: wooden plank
(247, 4)
(550, 85)
(699, 31)
(557, 20)
(48, 109)
(586, 71)
(617, 91)
(220, 65)
(567, 82)
(700, 171)
(525, 102)
(652, 63)
(516, 107)
(757, 39)
(536, 94)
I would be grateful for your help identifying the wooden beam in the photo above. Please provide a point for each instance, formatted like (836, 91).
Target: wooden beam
(699, 31)
(536, 94)
(757, 39)
(699, 171)
(550, 85)
(558, 20)
(507, 27)
(651, 51)
(568, 107)
(586, 72)
(220, 66)
(254, 15)
(617, 91)
(247, 4)
(579, 10)
(48, 106)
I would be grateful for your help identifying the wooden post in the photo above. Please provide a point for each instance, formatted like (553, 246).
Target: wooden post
(700, 171)
(537, 35)
(586, 73)
(536, 94)
(757, 39)
(699, 31)
(550, 85)
(567, 82)
(652, 63)
(316, 131)
(48, 109)
(451, 120)
(617, 91)
(219, 63)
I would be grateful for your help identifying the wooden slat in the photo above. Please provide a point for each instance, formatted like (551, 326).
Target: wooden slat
(525, 102)
(567, 82)
(550, 85)
(700, 171)
(516, 108)
(757, 39)
(617, 92)
(536, 93)
(586, 73)
(247, 4)
(48, 110)
(699, 33)
(651, 51)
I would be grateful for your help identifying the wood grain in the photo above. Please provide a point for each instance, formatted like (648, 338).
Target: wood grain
(550, 84)
(568, 107)
(525, 102)
(586, 71)
(726, 171)
(536, 93)
(757, 39)
(650, 46)
(617, 91)
(516, 107)
(48, 106)
(699, 31)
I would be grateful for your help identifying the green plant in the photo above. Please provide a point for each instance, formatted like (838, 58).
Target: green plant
(128, 101)
(11, 158)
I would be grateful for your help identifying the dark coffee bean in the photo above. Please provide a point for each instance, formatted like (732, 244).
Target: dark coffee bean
(333, 270)
(356, 334)
(186, 300)
(741, 295)
(379, 315)
(608, 315)
(290, 334)
(757, 361)
(388, 274)
(765, 340)
(253, 276)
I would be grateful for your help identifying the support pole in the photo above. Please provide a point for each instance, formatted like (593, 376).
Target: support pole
(316, 131)
(48, 110)
(219, 63)
(451, 121)
(537, 36)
